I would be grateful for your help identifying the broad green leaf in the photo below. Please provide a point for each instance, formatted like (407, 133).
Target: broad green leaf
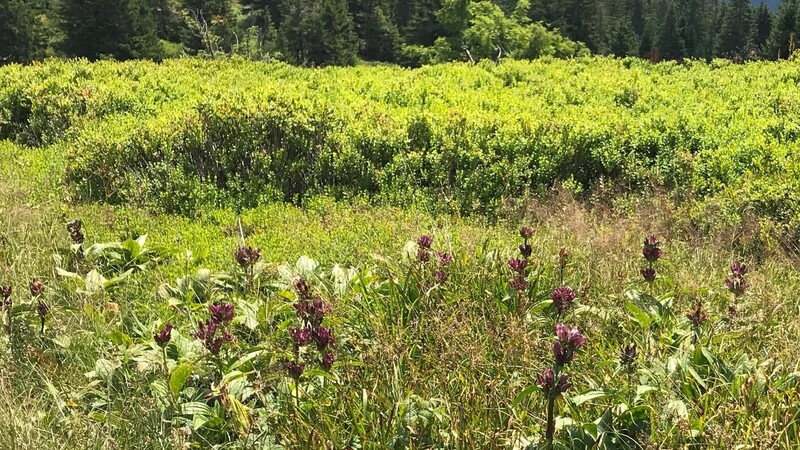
(178, 378)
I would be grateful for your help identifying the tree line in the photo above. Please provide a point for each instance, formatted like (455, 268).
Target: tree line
(407, 32)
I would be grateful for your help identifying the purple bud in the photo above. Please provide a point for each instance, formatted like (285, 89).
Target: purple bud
(163, 337)
(738, 269)
(247, 256)
(423, 255)
(444, 259)
(526, 232)
(42, 309)
(570, 336)
(301, 336)
(551, 387)
(303, 291)
(628, 355)
(518, 265)
(562, 354)
(323, 337)
(525, 250)
(37, 287)
(651, 251)
(696, 315)
(441, 276)
(519, 284)
(649, 274)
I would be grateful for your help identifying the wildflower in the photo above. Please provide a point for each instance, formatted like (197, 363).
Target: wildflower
(300, 336)
(425, 242)
(327, 361)
(303, 291)
(423, 255)
(649, 274)
(571, 337)
(441, 276)
(222, 313)
(163, 337)
(737, 284)
(247, 256)
(295, 369)
(563, 298)
(526, 232)
(323, 337)
(627, 356)
(562, 354)
(215, 345)
(551, 387)
(525, 250)
(317, 311)
(651, 250)
(696, 315)
(518, 265)
(74, 230)
(444, 259)
(37, 287)
(519, 284)
(206, 330)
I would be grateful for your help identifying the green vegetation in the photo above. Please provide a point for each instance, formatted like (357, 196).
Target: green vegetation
(178, 171)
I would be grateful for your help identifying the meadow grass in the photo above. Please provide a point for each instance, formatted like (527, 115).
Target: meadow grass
(419, 363)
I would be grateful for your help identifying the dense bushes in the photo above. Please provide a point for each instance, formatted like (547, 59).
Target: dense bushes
(185, 134)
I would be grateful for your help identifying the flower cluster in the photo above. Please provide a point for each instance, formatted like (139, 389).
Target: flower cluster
(75, 233)
(311, 311)
(520, 265)
(163, 337)
(247, 256)
(736, 282)
(443, 260)
(562, 298)
(424, 248)
(213, 332)
(697, 316)
(569, 340)
(652, 253)
(525, 248)
(628, 357)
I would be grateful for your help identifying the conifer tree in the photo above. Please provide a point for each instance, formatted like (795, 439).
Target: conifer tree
(17, 31)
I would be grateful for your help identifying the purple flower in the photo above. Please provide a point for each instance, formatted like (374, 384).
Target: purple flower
(628, 355)
(444, 259)
(525, 250)
(207, 331)
(42, 309)
(519, 284)
(651, 251)
(222, 313)
(327, 361)
(425, 242)
(696, 315)
(518, 265)
(317, 311)
(563, 298)
(562, 354)
(5, 293)
(247, 256)
(303, 291)
(423, 255)
(215, 345)
(163, 337)
(570, 336)
(738, 269)
(526, 232)
(551, 387)
(649, 274)
(323, 337)
(300, 336)
(441, 276)
(37, 287)
(295, 369)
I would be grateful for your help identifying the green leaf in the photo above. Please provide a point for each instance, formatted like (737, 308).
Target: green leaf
(525, 394)
(592, 395)
(639, 315)
(178, 378)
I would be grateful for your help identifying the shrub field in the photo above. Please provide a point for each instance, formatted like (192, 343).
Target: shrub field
(593, 253)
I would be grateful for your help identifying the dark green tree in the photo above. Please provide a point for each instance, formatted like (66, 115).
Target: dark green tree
(17, 31)
(783, 35)
(762, 25)
(736, 30)
(378, 36)
(669, 42)
(319, 32)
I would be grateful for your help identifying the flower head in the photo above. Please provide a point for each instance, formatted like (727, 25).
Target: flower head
(323, 338)
(738, 269)
(525, 250)
(5, 291)
(696, 315)
(222, 313)
(519, 284)
(247, 256)
(444, 259)
(295, 369)
(651, 250)
(301, 336)
(425, 242)
(42, 309)
(552, 387)
(423, 255)
(441, 276)
(737, 284)
(649, 274)
(570, 336)
(302, 288)
(518, 265)
(628, 355)
(562, 298)
(526, 232)
(163, 337)
(562, 354)
(37, 287)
